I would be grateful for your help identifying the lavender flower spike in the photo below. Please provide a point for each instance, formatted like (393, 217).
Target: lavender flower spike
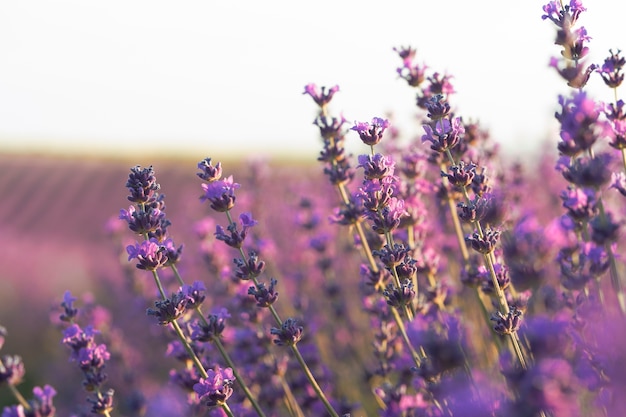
(371, 133)
(216, 389)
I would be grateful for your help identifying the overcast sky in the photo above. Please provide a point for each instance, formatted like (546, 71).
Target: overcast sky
(215, 77)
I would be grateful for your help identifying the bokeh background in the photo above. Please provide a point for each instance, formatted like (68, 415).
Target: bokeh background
(89, 89)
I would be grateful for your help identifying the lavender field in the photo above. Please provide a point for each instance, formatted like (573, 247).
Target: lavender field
(426, 275)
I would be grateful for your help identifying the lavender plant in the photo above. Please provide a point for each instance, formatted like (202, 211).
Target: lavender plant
(415, 279)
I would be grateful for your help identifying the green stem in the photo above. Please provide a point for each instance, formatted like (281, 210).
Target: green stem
(227, 410)
(19, 397)
(294, 348)
(313, 382)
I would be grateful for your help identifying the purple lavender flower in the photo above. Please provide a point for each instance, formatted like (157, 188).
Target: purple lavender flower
(376, 166)
(221, 194)
(196, 293)
(143, 221)
(371, 133)
(236, 238)
(216, 389)
(142, 185)
(216, 323)
(576, 76)
(507, 324)
(413, 73)
(171, 308)
(486, 243)
(389, 217)
(330, 127)
(437, 107)
(264, 296)
(445, 135)
(172, 252)
(563, 17)
(102, 403)
(580, 124)
(250, 268)
(69, 311)
(40, 406)
(320, 97)
(392, 256)
(587, 172)
(579, 202)
(618, 181)
(90, 356)
(611, 70)
(150, 254)
(289, 333)
(460, 175)
(209, 173)
(400, 297)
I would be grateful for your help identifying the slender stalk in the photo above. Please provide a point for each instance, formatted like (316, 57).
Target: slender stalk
(294, 348)
(19, 397)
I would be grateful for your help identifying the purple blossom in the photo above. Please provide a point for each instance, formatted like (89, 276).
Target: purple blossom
(215, 325)
(445, 135)
(289, 333)
(142, 185)
(69, 311)
(618, 181)
(611, 70)
(209, 173)
(376, 166)
(170, 309)
(371, 133)
(389, 217)
(264, 296)
(150, 254)
(221, 194)
(580, 124)
(216, 389)
(321, 97)
(413, 73)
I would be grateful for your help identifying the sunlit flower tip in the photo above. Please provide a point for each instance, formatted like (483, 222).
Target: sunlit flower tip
(220, 193)
(141, 184)
(264, 296)
(376, 166)
(208, 172)
(371, 133)
(149, 253)
(12, 370)
(289, 334)
(170, 309)
(323, 97)
(102, 403)
(507, 324)
(216, 389)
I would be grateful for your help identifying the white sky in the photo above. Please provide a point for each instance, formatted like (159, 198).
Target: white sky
(213, 77)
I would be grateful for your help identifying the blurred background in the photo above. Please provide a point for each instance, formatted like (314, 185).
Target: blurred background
(226, 78)
(89, 89)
